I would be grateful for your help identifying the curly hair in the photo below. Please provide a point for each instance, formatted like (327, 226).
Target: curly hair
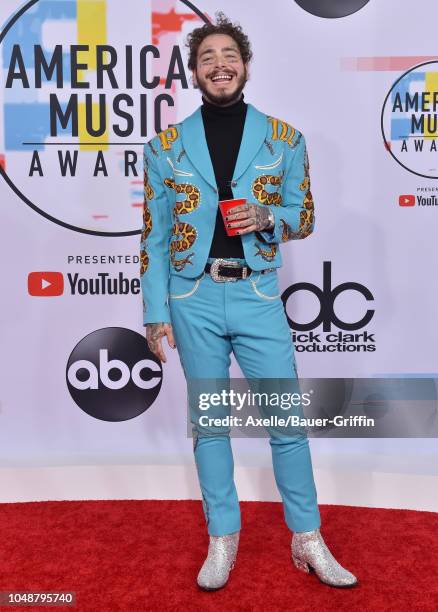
(223, 26)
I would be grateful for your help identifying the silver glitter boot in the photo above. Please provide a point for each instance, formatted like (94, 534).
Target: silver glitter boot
(222, 552)
(309, 551)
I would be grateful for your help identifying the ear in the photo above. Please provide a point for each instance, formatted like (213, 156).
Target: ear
(195, 82)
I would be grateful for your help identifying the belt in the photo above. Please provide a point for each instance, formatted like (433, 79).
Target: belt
(222, 270)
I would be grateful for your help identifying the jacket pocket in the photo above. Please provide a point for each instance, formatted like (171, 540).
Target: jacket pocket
(181, 287)
(266, 285)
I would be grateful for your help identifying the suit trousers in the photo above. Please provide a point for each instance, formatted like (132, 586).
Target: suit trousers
(210, 320)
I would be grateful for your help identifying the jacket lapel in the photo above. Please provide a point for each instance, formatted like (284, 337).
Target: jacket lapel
(195, 142)
(254, 134)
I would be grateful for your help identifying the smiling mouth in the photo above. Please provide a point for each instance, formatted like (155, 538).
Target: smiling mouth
(221, 78)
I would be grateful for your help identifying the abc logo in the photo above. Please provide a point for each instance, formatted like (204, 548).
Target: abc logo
(331, 8)
(327, 297)
(112, 375)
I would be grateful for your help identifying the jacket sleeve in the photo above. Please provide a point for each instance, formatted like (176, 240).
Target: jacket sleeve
(154, 243)
(294, 218)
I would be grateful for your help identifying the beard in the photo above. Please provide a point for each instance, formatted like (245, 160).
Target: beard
(223, 98)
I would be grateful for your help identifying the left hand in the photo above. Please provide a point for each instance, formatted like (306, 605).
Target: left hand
(248, 217)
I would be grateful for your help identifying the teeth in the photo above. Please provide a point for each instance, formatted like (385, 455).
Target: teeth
(222, 78)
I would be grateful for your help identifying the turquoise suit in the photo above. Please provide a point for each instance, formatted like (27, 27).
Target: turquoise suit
(212, 319)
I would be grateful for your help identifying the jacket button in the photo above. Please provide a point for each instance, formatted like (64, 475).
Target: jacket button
(234, 183)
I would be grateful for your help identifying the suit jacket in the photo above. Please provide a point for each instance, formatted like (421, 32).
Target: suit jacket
(181, 199)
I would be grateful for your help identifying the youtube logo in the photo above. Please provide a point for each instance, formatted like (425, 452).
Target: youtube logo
(406, 200)
(45, 284)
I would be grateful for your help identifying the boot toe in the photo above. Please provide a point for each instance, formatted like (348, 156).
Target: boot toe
(211, 579)
(220, 561)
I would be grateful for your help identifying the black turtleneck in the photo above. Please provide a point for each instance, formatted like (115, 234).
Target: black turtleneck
(223, 131)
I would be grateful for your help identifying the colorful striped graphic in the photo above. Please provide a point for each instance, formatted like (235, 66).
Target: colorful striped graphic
(92, 31)
(375, 64)
(431, 84)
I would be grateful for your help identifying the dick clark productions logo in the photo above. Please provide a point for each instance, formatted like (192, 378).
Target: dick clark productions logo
(112, 375)
(342, 340)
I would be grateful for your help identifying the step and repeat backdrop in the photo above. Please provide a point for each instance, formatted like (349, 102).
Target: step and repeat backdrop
(84, 84)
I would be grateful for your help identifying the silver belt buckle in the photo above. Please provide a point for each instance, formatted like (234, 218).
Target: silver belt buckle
(214, 270)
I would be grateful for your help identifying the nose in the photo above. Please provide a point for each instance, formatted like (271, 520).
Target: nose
(220, 62)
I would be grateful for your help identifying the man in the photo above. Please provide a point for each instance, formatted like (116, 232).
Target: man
(210, 293)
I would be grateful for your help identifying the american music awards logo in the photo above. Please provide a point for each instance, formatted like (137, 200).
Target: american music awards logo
(86, 84)
(409, 120)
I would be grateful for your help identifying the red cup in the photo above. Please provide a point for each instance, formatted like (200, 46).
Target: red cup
(225, 206)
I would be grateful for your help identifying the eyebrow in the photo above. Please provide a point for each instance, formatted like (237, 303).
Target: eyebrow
(223, 49)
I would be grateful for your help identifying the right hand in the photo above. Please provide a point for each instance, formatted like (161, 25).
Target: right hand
(154, 333)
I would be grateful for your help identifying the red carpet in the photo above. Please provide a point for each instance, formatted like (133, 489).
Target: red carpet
(145, 555)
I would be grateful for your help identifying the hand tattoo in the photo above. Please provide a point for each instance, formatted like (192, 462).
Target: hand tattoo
(249, 218)
(262, 217)
(154, 333)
